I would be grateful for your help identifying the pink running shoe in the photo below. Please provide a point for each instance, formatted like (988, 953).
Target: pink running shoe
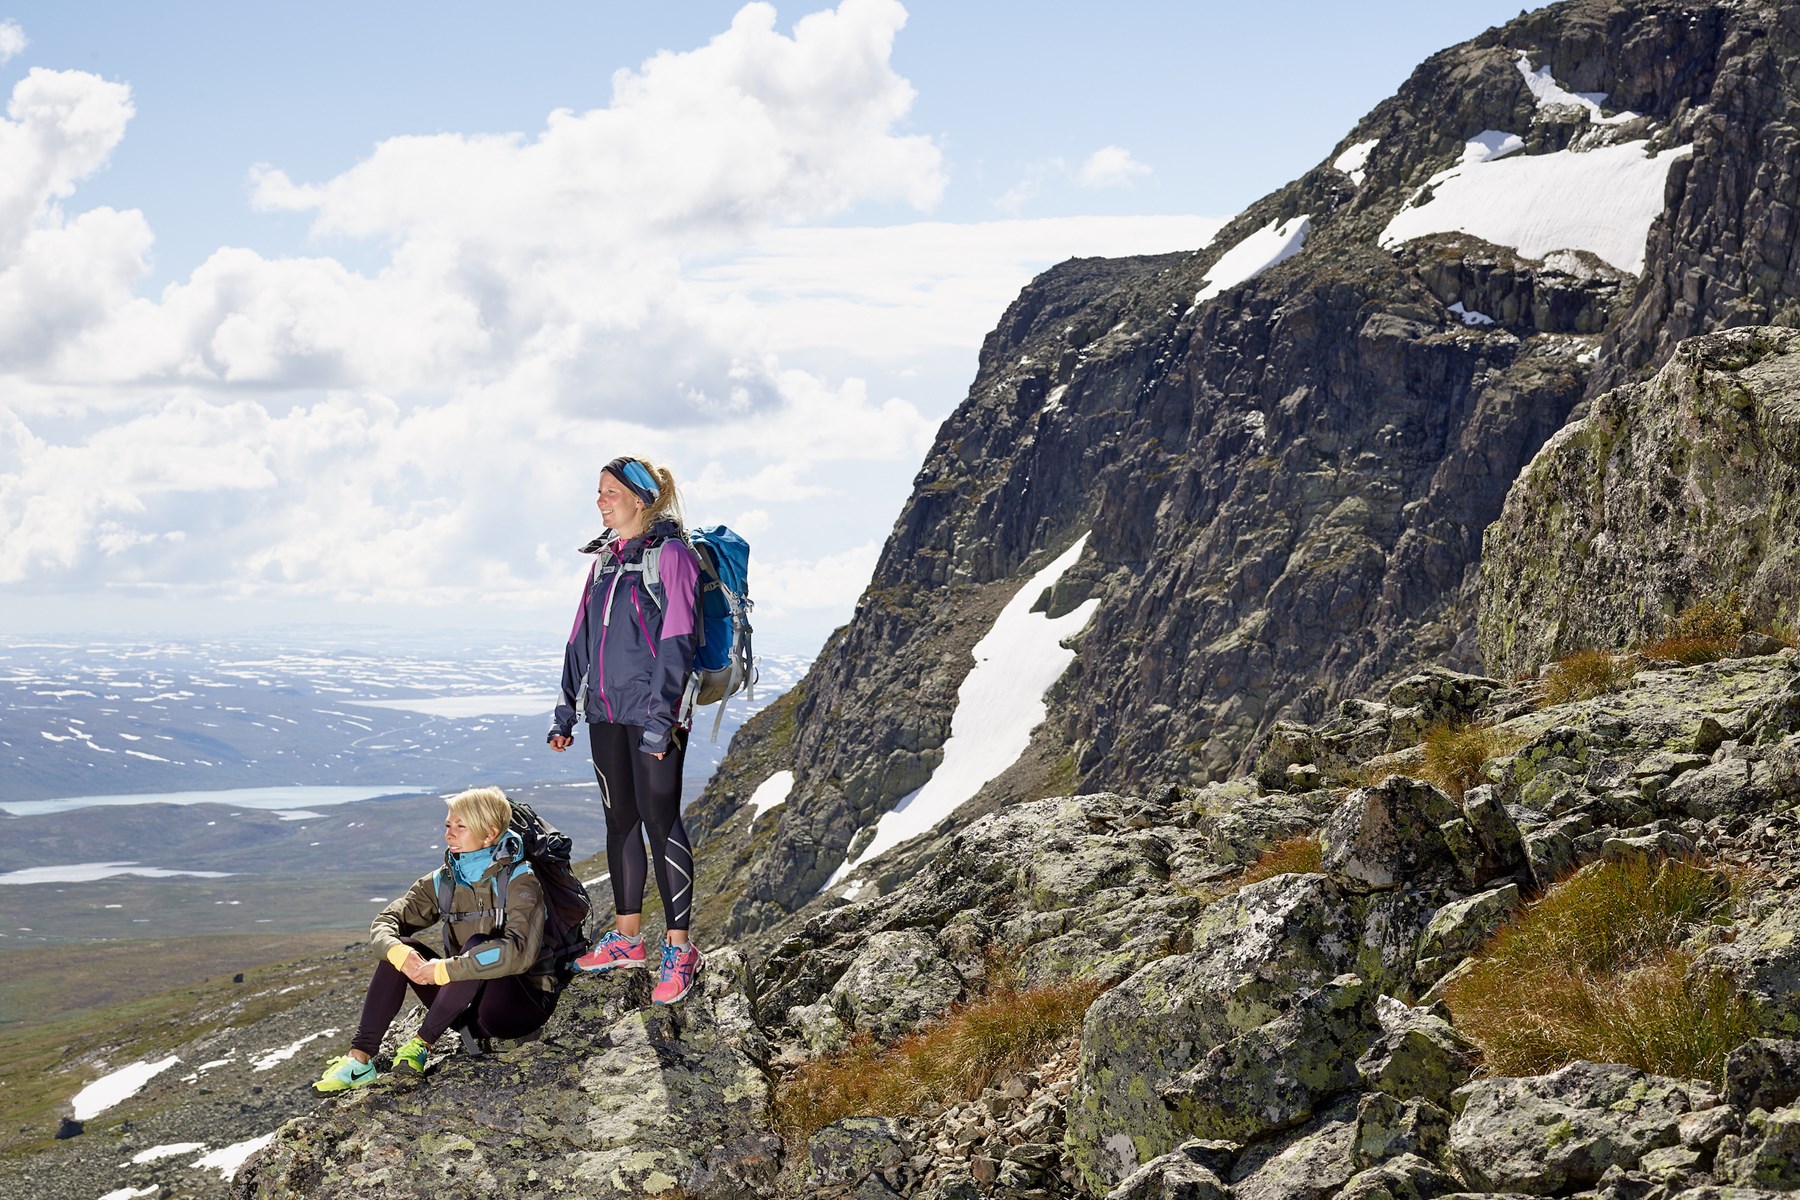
(613, 950)
(679, 966)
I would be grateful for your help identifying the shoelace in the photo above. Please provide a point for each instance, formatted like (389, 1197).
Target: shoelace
(669, 953)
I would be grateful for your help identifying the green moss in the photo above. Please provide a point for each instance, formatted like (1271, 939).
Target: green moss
(1062, 777)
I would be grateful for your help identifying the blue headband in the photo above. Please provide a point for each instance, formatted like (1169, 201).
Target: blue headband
(636, 476)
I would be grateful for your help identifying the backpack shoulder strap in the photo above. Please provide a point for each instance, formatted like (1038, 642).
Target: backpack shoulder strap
(651, 565)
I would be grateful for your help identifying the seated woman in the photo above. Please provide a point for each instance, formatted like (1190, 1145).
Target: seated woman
(490, 982)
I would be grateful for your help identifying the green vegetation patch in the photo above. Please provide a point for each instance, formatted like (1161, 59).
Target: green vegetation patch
(34, 1079)
(1584, 675)
(1703, 632)
(1007, 1028)
(1597, 970)
(1454, 755)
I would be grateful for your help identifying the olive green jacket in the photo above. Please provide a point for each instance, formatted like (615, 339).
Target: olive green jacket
(472, 911)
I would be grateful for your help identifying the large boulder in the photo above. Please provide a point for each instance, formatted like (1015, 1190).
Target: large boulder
(1763, 1073)
(1768, 1153)
(1548, 1134)
(896, 982)
(1311, 1164)
(1391, 834)
(1764, 957)
(1189, 1172)
(1666, 492)
(1277, 1075)
(1418, 1056)
(1255, 953)
(857, 1152)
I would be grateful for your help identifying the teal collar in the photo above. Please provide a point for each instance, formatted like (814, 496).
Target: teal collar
(472, 866)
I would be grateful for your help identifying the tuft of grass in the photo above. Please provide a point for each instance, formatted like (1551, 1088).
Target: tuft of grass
(1703, 632)
(1008, 1028)
(1689, 652)
(1373, 773)
(1297, 855)
(1454, 755)
(1717, 618)
(1595, 970)
(1584, 675)
(1300, 854)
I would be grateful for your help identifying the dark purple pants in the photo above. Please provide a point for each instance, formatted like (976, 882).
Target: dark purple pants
(507, 1007)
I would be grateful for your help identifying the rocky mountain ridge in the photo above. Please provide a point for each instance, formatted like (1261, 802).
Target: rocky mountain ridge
(1286, 484)
(1285, 1037)
(1285, 489)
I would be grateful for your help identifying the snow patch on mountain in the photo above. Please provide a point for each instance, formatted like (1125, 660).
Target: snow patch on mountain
(169, 1151)
(116, 1086)
(1550, 94)
(1601, 200)
(228, 1159)
(1000, 703)
(1353, 161)
(1274, 243)
(270, 1059)
(771, 792)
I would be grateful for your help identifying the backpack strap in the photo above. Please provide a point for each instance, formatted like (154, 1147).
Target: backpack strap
(648, 567)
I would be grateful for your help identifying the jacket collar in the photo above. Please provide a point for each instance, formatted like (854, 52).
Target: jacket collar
(661, 531)
(508, 850)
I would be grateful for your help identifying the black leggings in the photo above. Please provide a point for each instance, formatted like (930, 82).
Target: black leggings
(640, 790)
(507, 1007)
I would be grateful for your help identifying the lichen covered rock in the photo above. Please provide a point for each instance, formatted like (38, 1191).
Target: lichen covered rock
(1546, 1134)
(897, 981)
(1679, 489)
(1254, 953)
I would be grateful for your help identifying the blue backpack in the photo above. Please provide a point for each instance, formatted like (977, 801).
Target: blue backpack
(724, 664)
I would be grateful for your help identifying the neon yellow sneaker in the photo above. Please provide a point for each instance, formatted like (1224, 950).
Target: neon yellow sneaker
(343, 1073)
(409, 1059)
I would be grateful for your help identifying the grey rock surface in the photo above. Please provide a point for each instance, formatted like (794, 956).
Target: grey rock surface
(1680, 489)
(616, 1098)
(1546, 1134)
(1255, 953)
(896, 982)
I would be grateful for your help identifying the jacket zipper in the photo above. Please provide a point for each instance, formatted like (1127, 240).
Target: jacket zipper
(606, 620)
(642, 626)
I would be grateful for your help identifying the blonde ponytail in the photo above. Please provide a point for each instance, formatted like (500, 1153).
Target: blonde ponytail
(668, 499)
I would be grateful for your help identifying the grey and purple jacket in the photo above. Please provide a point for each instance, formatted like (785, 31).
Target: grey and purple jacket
(634, 639)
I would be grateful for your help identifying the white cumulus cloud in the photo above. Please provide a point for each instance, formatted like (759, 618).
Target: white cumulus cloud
(12, 41)
(648, 277)
(1110, 166)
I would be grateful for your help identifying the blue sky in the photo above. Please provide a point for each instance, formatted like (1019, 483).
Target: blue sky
(301, 343)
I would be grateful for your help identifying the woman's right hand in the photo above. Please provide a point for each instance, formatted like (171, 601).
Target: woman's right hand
(559, 743)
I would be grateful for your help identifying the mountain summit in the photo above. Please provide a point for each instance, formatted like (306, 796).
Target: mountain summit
(1282, 450)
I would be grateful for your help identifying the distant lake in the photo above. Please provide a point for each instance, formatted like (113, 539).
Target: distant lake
(504, 704)
(277, 798)
(89, 872)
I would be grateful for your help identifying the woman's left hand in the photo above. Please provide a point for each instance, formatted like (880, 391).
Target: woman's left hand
(418, 970)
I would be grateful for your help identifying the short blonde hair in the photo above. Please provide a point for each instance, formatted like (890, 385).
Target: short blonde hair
(486, 809)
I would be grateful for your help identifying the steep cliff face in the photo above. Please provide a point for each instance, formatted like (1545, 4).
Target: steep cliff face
(1286, 473)
(1682, 489)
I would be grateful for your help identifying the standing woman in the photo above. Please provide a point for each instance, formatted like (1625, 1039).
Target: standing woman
(624, 672)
